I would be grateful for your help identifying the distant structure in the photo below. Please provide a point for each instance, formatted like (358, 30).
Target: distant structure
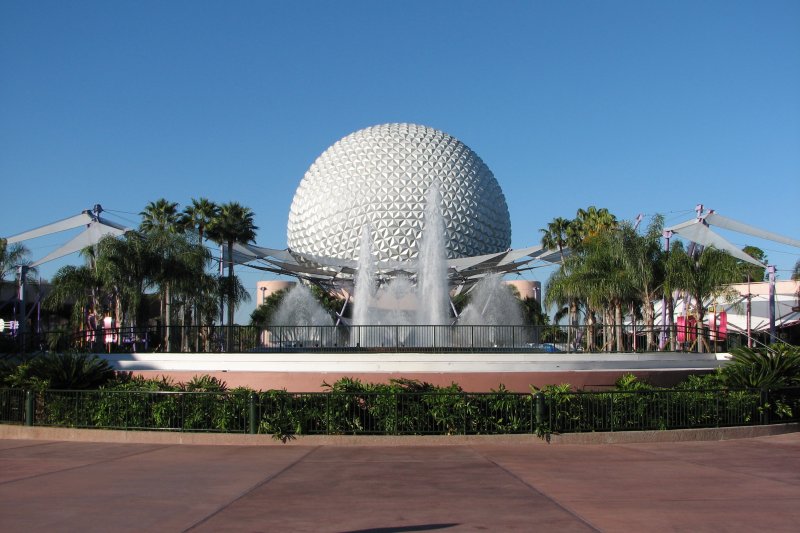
(378, 177)
(376, 180)
(265, 289)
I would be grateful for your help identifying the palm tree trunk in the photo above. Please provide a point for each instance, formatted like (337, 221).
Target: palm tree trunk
(573, 324)
(591, 321)
(702, 341)
(198, 323)
(649, 316)
(618, 325)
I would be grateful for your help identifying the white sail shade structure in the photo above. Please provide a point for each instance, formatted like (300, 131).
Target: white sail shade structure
(334, 272)
(97, 227)
(698, 230)
(787, 312)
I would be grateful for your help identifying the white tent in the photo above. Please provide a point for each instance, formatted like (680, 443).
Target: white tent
(341, 272)
(786, 306)
(97, 227)
(698, 231)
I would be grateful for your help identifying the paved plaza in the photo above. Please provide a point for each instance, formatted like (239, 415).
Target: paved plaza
(735, 485)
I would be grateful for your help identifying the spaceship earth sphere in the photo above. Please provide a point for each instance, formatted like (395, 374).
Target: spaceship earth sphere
(379, 176)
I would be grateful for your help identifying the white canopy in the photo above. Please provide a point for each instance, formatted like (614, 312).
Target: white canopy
(97, 227)
(786, 310)
(329, 270)
(698, 230)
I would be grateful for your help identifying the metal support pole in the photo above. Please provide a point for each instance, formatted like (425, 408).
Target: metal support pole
(29, 402)
(23, 312)
(749, 313)
(664, 327)
(341, 313)
(540, 408)
(771, 270)
(253, 429)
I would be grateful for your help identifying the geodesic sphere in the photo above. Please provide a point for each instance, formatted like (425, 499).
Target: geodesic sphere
(380, 176)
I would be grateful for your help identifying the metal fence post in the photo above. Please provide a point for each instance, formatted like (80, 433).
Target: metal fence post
(532, 416)
(611, 411)
(764, 407)
(253, 429)
(539, 397)
(396, 400)
(464, 412)
(328, 413)
(29, 400)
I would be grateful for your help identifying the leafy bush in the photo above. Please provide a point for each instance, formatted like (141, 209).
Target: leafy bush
(278, 415)
(68, 371)
(400, 407)
(138, 403)
(772, 368)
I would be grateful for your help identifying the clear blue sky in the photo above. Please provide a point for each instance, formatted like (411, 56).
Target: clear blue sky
(634, 106)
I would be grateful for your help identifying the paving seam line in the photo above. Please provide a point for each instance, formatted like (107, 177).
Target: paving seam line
(558, 504)
(251, 489)
(44, 443)
(85, 465)
(707, 465)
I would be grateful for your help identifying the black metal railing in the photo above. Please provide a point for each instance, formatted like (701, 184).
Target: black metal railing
(395, 338)
(399, 413)
(653, 410)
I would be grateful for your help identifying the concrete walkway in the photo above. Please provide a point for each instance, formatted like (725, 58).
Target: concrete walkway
(735, 485)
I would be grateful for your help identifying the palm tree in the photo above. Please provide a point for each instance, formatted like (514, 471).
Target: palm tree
(189, 276)
(78, 286)
(562, 289)
(13, 256)
(160, 216)
(127, 265)
(601, 272)
(702, 275)
(199, 215)
(233, 224)
(644, 261)
(588, 223)
(555, 235)
(160, 225)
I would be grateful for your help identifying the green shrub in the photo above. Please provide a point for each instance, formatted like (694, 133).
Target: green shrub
(279, 416)
(67, 371)
(139, 403)
(772, 368)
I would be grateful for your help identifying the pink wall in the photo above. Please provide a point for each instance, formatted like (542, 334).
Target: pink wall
(469, 381)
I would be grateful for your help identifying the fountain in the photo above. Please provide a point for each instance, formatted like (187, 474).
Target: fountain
(492, 304)
(403, 312)
(432, 266)
(365, 282)
(298, 319)
(400, 313)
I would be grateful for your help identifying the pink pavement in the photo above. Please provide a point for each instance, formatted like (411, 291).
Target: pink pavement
(734, 485)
